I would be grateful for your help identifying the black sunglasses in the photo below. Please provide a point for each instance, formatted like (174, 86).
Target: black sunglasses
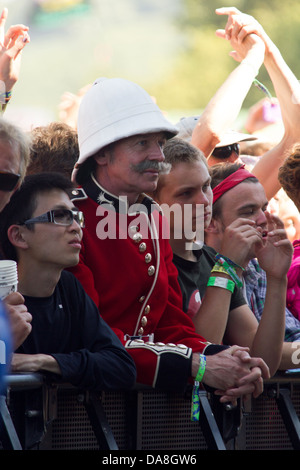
(226, 151)
(59, 217)
(8, 181)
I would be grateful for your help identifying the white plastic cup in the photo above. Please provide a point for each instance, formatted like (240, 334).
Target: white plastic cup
(8, 264)
(8, 289)
(8, 277)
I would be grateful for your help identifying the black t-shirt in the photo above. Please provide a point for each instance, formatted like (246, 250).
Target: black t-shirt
(67, 325)
(193, 277)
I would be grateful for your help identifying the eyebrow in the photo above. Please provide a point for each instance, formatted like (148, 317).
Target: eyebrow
(61, 206)
(252, 206)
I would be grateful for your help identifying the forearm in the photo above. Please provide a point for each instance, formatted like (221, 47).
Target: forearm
(34, 363)
(290, 356)
(212, 316)
(223, 109)
(268, 341)
(287, 88)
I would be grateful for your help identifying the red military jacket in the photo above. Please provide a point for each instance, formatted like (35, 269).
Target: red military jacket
(126, 268)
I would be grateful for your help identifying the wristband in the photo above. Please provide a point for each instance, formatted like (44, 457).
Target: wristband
(221, 282)
(195, 411)
(201, 370)
(229, 261)
(219, 269)
(5, 97)
(231, 271)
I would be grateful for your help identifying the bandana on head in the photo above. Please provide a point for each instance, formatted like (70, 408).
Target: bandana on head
(232, 180)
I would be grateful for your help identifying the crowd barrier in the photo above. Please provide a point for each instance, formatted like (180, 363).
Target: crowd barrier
(39, 415)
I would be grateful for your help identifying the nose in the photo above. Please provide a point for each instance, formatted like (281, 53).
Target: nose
(204, 197)
(75, 227)
(261, 219)
(156, 152)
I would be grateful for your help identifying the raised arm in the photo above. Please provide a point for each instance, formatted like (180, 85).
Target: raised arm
(224, 107)
(287, 90)
(11, 45)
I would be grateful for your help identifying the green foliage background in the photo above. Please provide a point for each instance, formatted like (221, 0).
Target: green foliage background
(203, 63)
(167, 46)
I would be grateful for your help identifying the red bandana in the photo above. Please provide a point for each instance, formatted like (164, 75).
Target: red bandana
(232, 180)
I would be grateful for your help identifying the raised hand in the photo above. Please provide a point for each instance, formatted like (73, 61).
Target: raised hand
(275, 254)
(11, 45)
(239, 25)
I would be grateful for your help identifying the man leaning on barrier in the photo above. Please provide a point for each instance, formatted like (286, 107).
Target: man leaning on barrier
(129, 274)
(41, 229)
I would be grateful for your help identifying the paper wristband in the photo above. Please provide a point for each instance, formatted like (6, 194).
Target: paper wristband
(221, 282)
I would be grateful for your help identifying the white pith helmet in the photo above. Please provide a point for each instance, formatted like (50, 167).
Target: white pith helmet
(113, 109)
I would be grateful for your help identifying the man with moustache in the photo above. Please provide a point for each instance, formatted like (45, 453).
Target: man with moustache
(126, 261)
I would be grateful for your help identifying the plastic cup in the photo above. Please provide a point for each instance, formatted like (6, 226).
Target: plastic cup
(8, 264)
(8, 277)
(8, 289)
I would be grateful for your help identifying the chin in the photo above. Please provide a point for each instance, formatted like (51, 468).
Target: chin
(71, 263)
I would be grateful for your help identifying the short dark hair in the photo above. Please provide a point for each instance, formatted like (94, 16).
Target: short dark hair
(23, 203)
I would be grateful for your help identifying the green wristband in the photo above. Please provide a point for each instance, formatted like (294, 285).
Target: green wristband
(221, 282)
(201, 370)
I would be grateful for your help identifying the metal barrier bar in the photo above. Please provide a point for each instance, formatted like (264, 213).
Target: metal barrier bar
(102, 430)
(213, 429)
(209, 426)
(289, 416)
(8, 435)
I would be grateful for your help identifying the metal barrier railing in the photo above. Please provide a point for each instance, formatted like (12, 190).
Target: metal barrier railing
(28, 416)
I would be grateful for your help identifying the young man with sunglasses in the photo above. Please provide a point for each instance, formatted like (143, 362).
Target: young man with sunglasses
(42, 230)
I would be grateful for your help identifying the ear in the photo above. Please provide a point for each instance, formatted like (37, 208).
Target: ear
(16, 236)
(214, 227)
(102, 157)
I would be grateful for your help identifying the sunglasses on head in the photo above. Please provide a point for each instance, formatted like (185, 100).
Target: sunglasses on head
(63, 217)
(8, 181)
(226, 151)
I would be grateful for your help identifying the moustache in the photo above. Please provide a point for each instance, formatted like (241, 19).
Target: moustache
(161, 167)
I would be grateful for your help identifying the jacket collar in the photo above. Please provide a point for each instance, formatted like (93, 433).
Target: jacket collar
(103, 197)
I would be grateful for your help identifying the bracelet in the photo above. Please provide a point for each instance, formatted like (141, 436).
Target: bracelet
(5, 97)
(221, 282)
(229, 261)
(231, 271)
(201, 370)
(219, 269)
(195, 411)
